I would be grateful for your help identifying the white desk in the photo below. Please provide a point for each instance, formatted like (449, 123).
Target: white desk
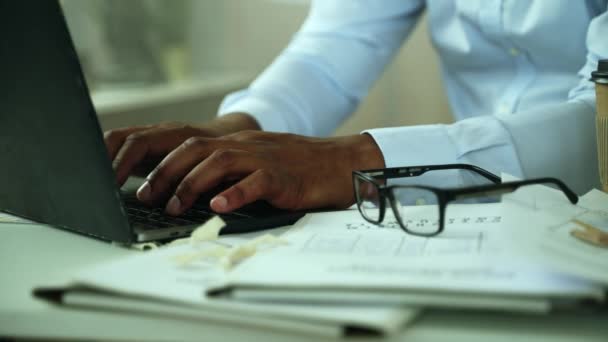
(33, 255)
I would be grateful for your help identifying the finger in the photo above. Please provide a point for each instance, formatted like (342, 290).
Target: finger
(116, 137)
(267, 137)
(219, 166)
(172, 169)
(141, 145)
(261, 184)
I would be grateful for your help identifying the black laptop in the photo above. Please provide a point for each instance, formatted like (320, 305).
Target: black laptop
(54, 167)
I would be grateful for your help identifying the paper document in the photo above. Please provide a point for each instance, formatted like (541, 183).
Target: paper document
(346, 233)
(546, 234)
(154, 282)
(340, 252)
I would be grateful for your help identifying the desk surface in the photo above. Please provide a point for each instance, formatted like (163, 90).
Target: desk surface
(32, 255)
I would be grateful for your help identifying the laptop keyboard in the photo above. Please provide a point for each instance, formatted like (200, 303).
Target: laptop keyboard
(155, 217)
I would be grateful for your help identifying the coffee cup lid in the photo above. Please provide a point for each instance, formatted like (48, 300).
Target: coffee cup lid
(601, 74)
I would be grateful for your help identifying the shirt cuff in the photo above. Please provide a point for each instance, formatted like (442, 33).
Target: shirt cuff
(414, 145)
(481, 141)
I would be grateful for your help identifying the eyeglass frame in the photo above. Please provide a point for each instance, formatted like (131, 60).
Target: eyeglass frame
(444, 196)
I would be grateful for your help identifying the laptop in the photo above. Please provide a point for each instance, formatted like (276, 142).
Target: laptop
(54, 167)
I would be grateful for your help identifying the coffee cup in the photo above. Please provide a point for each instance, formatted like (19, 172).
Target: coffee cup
(600, 77)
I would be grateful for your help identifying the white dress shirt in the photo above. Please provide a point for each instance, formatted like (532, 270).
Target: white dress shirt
(515, 73)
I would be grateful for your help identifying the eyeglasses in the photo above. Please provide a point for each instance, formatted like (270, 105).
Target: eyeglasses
(420, 210)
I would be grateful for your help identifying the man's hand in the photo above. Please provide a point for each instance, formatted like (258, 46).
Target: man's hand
(137, 150)
(288, 171)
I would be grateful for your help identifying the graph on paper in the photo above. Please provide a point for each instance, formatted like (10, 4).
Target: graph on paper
(470, 221)
(347, 233)
(403, 245)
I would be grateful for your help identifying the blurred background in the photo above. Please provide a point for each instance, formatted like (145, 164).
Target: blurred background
(149, 61)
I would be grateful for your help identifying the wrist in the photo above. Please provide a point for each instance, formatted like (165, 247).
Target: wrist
(232, 123)
(366, 153)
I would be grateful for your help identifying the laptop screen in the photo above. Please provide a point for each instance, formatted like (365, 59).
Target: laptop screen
(53, 163)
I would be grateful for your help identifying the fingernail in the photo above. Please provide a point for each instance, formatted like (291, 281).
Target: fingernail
(219, 202)
(143, 193)
(151, 174)
(174, 206)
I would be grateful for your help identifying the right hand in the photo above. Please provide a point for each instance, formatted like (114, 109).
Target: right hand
(137, 150)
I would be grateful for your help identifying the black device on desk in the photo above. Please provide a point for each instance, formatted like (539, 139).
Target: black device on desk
(54, 167)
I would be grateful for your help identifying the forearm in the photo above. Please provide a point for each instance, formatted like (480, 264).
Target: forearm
(328, 67)
(481, 141)
(557, 141)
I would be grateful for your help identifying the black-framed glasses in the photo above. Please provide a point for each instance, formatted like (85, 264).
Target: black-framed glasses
(421, 210)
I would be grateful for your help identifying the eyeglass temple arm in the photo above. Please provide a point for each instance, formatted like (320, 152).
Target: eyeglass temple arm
(413, 171)
(509, 187)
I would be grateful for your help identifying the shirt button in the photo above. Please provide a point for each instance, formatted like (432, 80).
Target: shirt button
(514, 52)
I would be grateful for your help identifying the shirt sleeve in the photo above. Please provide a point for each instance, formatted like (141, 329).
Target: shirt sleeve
(554, 141)
(551, 141)
(321, 77)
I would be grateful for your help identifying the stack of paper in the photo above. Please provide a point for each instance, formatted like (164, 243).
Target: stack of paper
(155, 284)
(337, 273)
(338, 258)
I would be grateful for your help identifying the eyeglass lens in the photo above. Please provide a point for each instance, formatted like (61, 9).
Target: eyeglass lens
(417, 209)
(368, 199)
